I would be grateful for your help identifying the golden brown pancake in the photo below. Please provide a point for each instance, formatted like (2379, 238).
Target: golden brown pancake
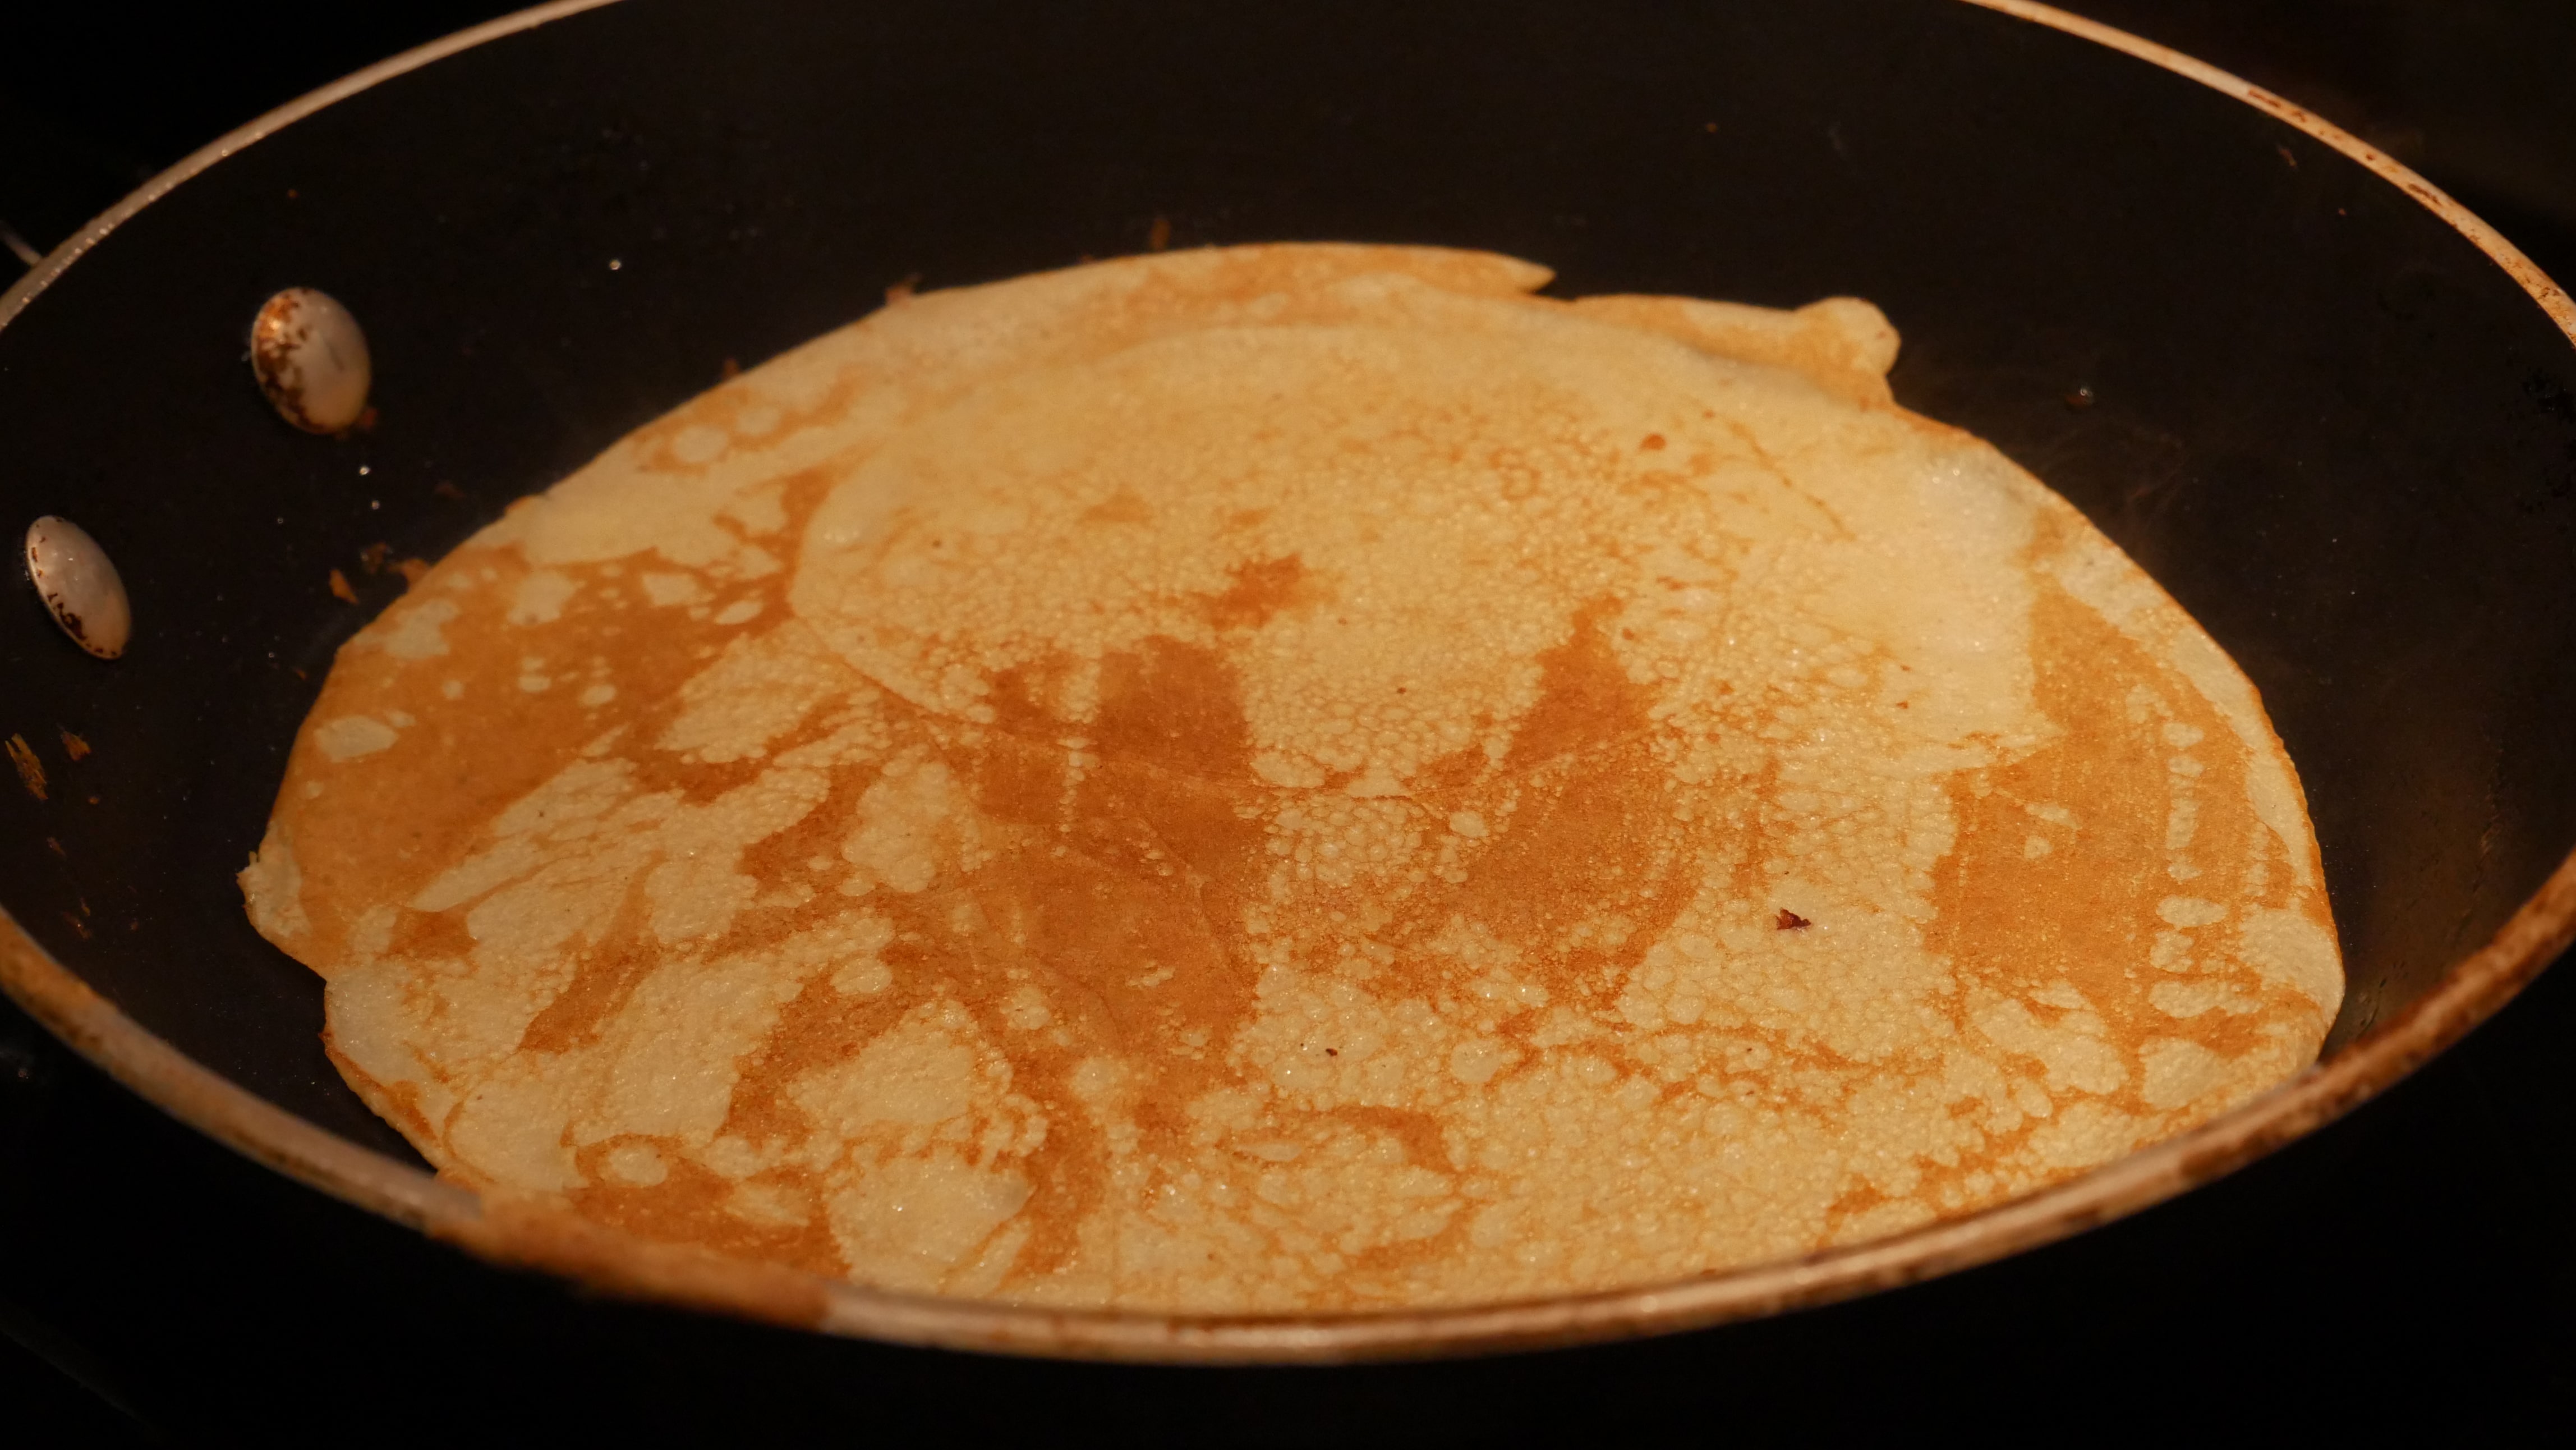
(1295, 777)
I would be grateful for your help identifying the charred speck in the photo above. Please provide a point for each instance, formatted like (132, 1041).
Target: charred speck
(1789, 920)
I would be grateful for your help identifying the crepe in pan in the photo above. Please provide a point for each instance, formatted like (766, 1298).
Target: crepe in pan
(1295, 777)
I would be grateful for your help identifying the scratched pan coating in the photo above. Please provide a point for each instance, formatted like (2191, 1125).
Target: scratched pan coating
(2328, 415)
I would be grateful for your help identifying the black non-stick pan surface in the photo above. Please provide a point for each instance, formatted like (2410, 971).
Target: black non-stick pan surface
(2330, 426)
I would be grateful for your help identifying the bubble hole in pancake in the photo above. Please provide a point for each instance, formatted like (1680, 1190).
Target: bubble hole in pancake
(1295, 777)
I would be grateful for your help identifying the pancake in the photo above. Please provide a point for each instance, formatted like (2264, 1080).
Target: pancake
(1295, 778)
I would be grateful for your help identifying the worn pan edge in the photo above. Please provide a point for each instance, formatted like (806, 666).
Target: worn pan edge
(2553, 298)
(517, 1234)
(42, 275)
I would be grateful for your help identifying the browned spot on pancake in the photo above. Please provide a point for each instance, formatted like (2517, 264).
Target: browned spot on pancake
(1987, 891)
(790, 856)
(1152, 883)
(398, 1105)
(1420, 1133)
(800, 493)
(1941, 1185)
(1092, 924)
(447, 772)
(1446, 781)
(1175, 705)
(1260, 590)
(819, 1027)
(608, 972)
(1377, 1274)
(1022, 698)
(1019, 780)
(2086, 910)
(1070, 1168)
(1139, 875)
(1017, 769)
(1382, 1276)
(431, 935)
(1595, 831)
(687, 1207)
(695, 780)
(1122, 507)
(1857, 1199)
(1584, 694)
(1148, 882)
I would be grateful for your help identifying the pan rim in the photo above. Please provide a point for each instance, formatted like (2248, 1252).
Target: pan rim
(522, 1235)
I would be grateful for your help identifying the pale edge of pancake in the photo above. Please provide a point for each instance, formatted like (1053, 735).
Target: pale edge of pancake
(691, 501)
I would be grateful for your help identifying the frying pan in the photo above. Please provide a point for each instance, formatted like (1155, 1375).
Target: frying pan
(2331, 412)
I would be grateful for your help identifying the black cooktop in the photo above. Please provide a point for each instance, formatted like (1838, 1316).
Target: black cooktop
(2413, 1266)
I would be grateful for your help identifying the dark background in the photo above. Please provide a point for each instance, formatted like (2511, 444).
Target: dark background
(2414, 1266)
